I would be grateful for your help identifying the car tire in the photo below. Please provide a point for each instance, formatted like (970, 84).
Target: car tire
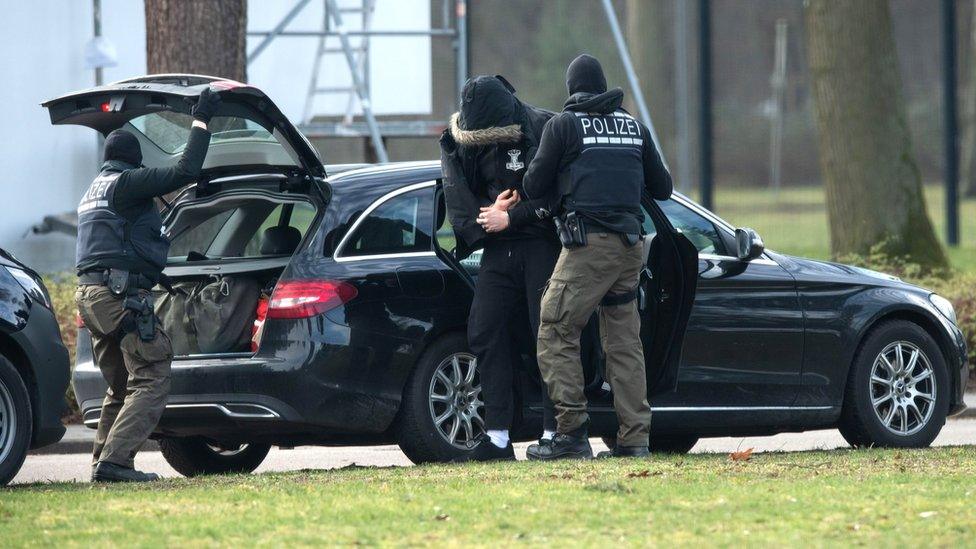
(194, 456)
(16, 424)
(662, 444)
(420, 438)
(876, 391)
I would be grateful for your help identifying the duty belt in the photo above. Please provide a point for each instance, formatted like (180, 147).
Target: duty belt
(101, 278)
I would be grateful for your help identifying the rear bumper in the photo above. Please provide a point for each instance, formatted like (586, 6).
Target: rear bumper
(297, 389)
(40, 341)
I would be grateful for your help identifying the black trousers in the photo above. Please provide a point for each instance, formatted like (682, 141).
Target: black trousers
(511, 279)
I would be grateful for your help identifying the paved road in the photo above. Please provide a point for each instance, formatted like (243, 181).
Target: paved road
(76, 467)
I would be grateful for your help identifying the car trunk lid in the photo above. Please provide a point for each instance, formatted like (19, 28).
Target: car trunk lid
(250, 133)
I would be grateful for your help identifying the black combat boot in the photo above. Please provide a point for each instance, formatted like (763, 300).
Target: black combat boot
(485, 450)
(575, 445)
(625, 451)
(110, 472)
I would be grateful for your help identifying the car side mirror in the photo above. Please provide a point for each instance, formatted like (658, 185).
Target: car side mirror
(748, 243)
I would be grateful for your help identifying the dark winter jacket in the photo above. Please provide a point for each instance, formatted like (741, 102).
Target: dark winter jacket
(485, 151)
(561, 145)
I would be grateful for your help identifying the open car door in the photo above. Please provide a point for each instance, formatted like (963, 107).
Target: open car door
(249, 133)
(667, 293)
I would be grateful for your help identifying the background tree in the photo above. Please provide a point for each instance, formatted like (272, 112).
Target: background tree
(198, 37)
(967, 148)
(650, 39)
(872, 183)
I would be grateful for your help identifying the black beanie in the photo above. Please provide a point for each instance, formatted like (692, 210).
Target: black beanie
(585, 75)
(122, 145)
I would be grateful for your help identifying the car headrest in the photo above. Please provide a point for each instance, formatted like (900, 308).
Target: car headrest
(280, 240)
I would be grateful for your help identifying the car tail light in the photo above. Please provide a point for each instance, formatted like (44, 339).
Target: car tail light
(307, 298)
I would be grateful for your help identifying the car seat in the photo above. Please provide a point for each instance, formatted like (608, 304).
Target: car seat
(280, 240)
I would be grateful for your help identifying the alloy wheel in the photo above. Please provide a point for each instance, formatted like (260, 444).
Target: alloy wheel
(902, 388)
(454, 399)
(8, 422)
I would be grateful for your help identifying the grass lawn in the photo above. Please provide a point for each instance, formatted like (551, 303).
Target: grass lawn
(875, 497)
(794, 221)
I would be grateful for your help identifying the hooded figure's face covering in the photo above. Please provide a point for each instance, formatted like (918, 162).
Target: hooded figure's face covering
(585, 75)
(123, 146)
(487, 102)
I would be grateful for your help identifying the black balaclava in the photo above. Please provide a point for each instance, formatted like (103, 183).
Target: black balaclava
(585, 75)
(123, 146)
(488, 101)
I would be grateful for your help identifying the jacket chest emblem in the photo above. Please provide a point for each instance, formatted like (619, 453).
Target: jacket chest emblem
(514, 163)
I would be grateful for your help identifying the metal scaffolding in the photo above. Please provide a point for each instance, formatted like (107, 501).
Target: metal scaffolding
(356, 57)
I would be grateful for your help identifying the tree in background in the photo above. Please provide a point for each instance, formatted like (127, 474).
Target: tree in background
(650, 36)
(567, 28)
(873, 186)
(197, 37)
(967, 147)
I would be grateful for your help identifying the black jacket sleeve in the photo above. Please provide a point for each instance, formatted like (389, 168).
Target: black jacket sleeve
(463, 206)
(657, 179)
(146, 183)
(524, 212)
(540, 176)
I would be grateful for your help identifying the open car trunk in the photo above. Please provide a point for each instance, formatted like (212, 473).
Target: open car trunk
(228, 250)
(233, 231)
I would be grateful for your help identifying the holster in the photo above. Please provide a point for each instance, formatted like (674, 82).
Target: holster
(570, 230)
(141, 317)
(117, 281)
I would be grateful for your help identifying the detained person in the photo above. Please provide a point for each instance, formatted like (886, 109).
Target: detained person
(121, 253)
(600, 160)
(484, 153)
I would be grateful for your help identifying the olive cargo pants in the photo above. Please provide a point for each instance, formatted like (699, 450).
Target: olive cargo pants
(581, 279)
(137, 373)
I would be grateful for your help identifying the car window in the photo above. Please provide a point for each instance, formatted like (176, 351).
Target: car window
(297, 215)
(234, 227)
(200, 237)
(402, 224)
(696, 228)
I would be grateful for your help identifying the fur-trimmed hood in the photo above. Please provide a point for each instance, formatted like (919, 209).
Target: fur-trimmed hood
(488, 136)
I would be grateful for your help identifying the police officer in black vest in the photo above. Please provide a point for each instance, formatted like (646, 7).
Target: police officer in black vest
(601, 160)
(121, 253)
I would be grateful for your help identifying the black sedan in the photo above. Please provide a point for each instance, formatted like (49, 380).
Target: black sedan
(34, 366)
(363, 339)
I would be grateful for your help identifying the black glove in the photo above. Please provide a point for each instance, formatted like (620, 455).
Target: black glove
(208, 103)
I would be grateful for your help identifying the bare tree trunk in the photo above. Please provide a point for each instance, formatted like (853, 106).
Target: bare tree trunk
(873, 186)
(649, 38)
(197, 37)
(967, 148)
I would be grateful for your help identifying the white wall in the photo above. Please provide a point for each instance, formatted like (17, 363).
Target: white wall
(42, 55)
(400, 67)
(46, 168)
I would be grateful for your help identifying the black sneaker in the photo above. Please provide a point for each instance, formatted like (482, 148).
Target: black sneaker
(562, 446)
(625, 451)
(110, 472)
(485, 450)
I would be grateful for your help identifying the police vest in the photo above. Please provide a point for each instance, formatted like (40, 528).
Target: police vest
(109, 240)
(606, 180)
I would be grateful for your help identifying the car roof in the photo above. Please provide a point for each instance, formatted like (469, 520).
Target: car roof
(401, 171)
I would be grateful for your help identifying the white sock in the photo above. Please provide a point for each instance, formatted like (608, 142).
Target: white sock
(499, 438)
(547, 435)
